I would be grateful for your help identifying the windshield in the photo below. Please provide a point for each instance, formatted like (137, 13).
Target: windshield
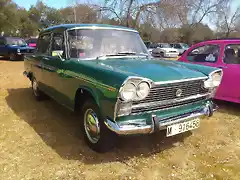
(15, 41)
(90, 43)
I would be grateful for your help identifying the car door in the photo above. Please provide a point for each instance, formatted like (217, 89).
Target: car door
(42, 53)
(230, 63)
(54, 67)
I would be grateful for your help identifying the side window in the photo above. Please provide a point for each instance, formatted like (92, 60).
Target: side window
(205, 53)
(232, 54)
(58, 44)
(43, 44)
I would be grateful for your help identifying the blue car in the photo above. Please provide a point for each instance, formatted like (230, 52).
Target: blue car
(14, 48)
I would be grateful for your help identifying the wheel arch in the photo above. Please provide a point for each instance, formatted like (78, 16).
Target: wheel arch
(82, 94)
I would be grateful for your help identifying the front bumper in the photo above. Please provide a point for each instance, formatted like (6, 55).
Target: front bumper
(131, 128)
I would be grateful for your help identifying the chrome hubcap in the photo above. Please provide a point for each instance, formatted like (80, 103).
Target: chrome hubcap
(91, 126)
(35, 87)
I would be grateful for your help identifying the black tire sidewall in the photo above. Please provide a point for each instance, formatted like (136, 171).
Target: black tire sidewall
(39, 95)
(12, 56)
(107, 137)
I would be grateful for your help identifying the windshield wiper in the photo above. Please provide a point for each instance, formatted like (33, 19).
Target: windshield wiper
(122, 54)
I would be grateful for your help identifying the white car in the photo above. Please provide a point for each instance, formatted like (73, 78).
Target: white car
(164, 50)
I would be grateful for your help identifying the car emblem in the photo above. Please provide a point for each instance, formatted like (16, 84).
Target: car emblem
(178, 92)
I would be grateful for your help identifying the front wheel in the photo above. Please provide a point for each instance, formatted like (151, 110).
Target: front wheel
(12, 57)
(96, 134)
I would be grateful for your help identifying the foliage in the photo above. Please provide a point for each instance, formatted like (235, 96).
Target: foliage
(157, 21)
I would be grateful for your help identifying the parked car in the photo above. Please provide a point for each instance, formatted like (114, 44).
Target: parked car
(181, 47)
(14, 48)
(105, 74)
(163, 50)
(32, 42)
(148, 44)
(224, 54)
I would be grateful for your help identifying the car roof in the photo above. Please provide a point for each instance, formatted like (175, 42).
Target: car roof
(86, 26)
(230, 40)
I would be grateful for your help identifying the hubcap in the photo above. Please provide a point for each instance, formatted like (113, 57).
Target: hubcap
(91, 126)
(35, 87)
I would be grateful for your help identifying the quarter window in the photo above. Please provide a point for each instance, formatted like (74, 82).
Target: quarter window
(232, 54)
(43, 45)
(206, 53)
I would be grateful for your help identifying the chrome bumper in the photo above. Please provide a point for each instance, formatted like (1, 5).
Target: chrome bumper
(140, 127)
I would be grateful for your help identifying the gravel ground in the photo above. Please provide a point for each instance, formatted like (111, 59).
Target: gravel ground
(41, 140)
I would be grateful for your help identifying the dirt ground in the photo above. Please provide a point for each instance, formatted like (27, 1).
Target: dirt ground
(41, 140)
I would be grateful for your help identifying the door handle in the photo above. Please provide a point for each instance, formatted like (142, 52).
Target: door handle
(45, 58)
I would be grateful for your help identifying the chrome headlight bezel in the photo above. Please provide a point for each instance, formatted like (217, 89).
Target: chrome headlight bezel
(214, 79)
(138, 93)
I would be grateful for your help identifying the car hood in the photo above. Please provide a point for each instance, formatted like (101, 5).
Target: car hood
(156, 70)
(167, 49)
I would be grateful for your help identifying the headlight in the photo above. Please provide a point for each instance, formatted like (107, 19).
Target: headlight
(18, 50)
(214, 80)
(142, 90)
(128, 92)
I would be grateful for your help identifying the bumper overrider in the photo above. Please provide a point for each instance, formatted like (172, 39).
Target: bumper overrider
(157, 124)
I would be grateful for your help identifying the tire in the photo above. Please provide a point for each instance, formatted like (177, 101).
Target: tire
(161, 54)
(39, 95)
(12, 57)
(104, 139)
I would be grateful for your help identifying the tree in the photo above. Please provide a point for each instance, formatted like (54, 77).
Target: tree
(227, 20)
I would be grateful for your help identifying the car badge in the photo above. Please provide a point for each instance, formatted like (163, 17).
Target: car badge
(178, 92)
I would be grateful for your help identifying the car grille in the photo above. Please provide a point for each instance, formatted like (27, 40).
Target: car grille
(167, 92)
(166, 106)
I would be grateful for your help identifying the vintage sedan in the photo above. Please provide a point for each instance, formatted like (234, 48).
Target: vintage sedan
(106, 75)
(14, 48)
(224, 54)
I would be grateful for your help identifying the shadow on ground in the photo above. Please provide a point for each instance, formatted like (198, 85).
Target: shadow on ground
(228, 107)
(59, 129)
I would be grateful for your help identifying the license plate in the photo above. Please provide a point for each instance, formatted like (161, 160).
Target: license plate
(182, 127)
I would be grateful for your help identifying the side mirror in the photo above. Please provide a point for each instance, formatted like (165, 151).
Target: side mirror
(59, 54)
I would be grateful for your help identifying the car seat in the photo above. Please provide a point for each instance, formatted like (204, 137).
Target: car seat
(229, 56)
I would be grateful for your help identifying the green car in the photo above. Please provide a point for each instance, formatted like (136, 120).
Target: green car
(106, 75)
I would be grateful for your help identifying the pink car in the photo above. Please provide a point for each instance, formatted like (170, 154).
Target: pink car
(32, 42)
(224, 54)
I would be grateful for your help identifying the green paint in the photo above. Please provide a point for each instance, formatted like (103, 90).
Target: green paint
(103, 78)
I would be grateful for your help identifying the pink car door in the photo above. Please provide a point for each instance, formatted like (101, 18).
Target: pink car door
(230, 64)
(213, 55)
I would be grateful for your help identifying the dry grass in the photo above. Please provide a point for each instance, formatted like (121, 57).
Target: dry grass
(41, 140)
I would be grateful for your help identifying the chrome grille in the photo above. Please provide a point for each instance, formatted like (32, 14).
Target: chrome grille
(168, 91)
(166, 106)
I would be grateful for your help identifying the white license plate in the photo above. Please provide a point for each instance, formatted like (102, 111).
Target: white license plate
(182, 127)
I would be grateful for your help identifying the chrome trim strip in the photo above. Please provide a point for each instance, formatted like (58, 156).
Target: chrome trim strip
(166, 102)
(98, 27)
(129, 128)
(181, 80)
